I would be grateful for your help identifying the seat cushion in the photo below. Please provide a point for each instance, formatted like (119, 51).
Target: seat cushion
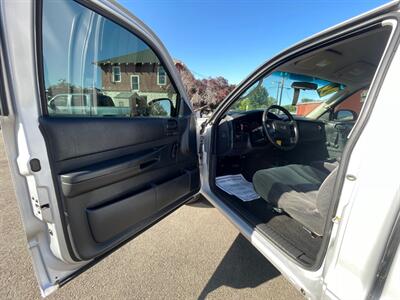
(276, 185)
(294, 189)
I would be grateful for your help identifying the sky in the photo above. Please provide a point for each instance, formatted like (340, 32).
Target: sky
(230, 38)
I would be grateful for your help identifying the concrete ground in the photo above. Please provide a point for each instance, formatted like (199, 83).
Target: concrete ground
(195, 253)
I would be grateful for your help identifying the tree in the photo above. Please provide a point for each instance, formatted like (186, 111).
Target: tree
(209, 91)
(256, 99)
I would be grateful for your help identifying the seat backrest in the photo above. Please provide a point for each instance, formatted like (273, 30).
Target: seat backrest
(325, 191)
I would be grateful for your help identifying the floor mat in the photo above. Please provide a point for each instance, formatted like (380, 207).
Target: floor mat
(265, 219)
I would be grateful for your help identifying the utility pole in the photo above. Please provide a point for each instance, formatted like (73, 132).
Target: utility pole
(277, 91)
(282, 85)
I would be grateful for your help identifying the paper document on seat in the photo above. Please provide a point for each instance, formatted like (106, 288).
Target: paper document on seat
(238, 186)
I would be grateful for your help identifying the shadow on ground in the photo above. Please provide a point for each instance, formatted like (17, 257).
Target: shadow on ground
(242, 267)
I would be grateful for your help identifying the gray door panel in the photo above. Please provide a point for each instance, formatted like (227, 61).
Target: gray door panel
(114, 176)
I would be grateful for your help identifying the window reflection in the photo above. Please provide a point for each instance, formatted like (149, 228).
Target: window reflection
(94, 67)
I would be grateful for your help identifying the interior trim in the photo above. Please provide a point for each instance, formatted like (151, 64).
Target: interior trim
(154, 220)
(108, 172)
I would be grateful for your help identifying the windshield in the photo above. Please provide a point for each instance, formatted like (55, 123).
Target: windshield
(299, 94)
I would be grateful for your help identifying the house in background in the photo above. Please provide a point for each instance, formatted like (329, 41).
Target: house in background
(135, 73)
(304, 108)
(353, 103)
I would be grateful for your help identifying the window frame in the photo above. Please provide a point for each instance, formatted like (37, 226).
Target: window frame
(138, 83)
(113, 73)
(158, 75)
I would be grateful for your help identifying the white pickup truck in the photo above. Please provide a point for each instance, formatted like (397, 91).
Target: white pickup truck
(322, 199)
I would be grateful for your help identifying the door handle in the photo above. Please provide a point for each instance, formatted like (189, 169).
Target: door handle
(149, 163)
(171, 127)
(172, 124)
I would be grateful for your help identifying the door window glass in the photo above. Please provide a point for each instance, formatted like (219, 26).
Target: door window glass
(353, 103)
(78, 100)
(94, 67)
(60, 100)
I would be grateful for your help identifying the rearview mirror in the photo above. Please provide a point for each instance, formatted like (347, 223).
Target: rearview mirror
(160, 107)
(301, 85)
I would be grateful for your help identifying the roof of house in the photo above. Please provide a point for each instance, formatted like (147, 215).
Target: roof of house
(140, 57)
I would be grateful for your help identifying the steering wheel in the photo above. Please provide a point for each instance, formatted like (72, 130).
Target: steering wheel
(283, 134)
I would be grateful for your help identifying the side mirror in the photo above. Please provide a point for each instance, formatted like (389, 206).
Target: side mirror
(160, 107)
(344, 115)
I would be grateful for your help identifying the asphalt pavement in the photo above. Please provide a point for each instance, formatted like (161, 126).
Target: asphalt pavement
(194, 253)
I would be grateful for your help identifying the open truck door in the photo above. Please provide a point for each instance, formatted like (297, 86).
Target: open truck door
(90, 175)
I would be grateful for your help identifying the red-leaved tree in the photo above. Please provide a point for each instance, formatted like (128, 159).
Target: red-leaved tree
(210, 91)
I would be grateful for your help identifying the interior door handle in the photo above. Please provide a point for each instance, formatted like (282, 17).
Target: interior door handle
(130, 165)
(149, 163)
(172, 124)
(172, 127)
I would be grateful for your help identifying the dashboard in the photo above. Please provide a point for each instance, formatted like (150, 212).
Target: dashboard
(241, 132)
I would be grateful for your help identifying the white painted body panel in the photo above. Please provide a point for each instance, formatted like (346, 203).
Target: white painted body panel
(369, 204)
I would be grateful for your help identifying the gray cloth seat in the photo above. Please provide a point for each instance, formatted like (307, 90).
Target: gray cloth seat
(302, 191)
